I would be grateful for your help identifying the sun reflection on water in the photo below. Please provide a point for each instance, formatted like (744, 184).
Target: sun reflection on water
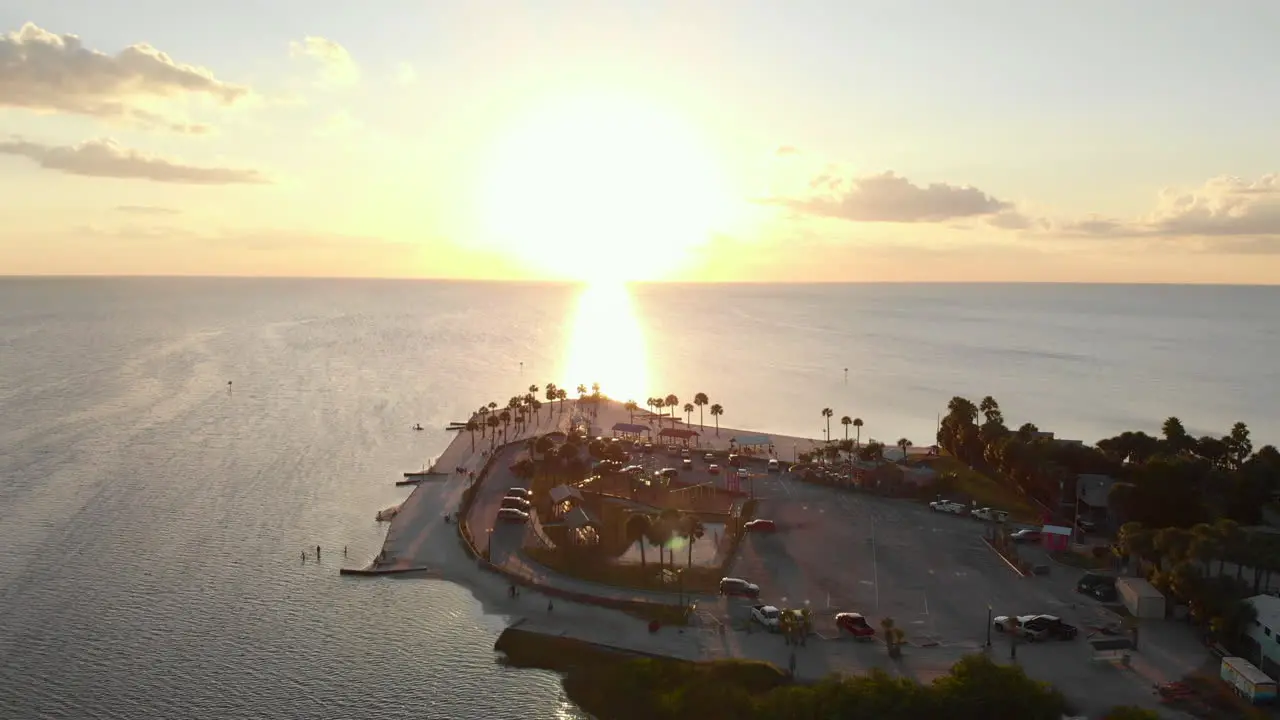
(607, 345)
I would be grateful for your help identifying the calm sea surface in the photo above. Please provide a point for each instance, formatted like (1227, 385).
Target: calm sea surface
(150, 520)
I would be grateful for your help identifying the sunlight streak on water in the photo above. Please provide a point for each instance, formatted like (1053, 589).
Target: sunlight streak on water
(607, 345)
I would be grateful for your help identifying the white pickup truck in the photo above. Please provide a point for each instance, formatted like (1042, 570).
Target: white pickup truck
(767, 615)
(987, 513)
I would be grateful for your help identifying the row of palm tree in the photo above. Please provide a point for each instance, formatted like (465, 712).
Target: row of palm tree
(518, 411)
(700, 400)
(846, 421)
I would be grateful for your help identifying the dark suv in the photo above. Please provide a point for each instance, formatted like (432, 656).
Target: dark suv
(1101, 587)
(739, 587)
(1048, 627)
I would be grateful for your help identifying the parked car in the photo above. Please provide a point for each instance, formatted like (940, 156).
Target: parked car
(648, 447)
(1025, 535)
(773, 465)
(947, 506)
(685, 454)
(517, 503)
(512, 515)
(991, 514)
(687, 463)
(633, 470)
(760, 525)
(1048, 627)
(854, 624)
(1086, 526)
(525, 493)
(1099, 586)
(713, 469)
(668, 472)
(743, 474)
(1005, 623)
(708, 457)
(737, 587)
(734, 460)
(767, 615)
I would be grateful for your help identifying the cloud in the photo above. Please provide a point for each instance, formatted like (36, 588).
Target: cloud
(336, 65)
(45, 72)
(105, 158)
(786, 150)
(146, 210)
(1011, 220)
(1228, 213)
(889, 198)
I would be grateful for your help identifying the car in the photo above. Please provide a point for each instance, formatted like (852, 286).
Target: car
(737, 587)
(1005, 623)
(987, 513)
(767, 615)
(668, 472)
(947, 506)
(525, 493)
(633, 470)
(512, 515)
(743, 474)
(684, 454)
(1086, 526)
(687, 463)
(734, 460)
(1099, 586)
(1025, 535)
(854, 624)
(648, 447)
(713, 469)
(760, 525)
(1048, 627)
(708, 457)
(773, 465)
(517, 503)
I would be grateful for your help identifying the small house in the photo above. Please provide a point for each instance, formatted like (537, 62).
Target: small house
(1055, 537)
(679, 436)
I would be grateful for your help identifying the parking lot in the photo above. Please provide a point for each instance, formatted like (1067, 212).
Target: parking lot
(836, 550)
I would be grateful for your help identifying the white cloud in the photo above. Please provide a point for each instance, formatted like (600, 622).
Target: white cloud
(889, 198)
(336, 65)
(56, 73)
(105, 158)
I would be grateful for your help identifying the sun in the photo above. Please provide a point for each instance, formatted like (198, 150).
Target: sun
(602, 186)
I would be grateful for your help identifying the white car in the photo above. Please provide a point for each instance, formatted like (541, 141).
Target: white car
(987, 513)
(742, 474)
(1004, 623)
(512, 515)
(947, 506)
(767, 615)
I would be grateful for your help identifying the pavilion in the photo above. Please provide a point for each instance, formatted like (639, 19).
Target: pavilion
(679, 436)
(631, 431)
(746, 441)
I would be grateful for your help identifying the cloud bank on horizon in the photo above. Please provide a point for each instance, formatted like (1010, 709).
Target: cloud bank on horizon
(320, 151)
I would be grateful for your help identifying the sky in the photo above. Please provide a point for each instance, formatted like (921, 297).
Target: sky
(714, 140)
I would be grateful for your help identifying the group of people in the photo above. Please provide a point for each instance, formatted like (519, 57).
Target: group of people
(304, 553)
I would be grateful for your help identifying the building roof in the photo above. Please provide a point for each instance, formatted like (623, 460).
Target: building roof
(681, 433)
(751, 439)
(578, 518)
(560, 493)
(1055, 530)
(634, 428)
(1268, 607)
(1094, 490)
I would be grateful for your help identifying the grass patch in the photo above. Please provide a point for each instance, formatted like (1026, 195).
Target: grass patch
(1084, 561)
(987, 492)
(697, 579)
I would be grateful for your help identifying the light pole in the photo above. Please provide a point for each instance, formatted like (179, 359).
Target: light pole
(489, 549)
(988, 626)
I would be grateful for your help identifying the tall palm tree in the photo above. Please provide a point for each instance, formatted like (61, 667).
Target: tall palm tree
(672, 401)
(505, 417)
(483, 412)
(493, 422)
(827, 413)
(472, 427)
(693, 530)
(595, 389)
(551, 393)
(582, 392)
(631, 408)
(903, 444)
(643, 524)
(688, 413)
(846, 421)
(857, 423)
(562, 395)
(716, 411)
(700, 399)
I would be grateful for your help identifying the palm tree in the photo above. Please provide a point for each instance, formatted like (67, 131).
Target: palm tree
(857, 423)
(493, 422)
(846, 421)
(903, 444)
(716, 411)
(827, 413)
(688, 413)
(672, 402)
(582, 392)
(631, 408)
(505, 417)
(643, 524)
(551, 392)
(692, 529)
(665, 529)
(483, 412)
(595, 389)
(562, 395)
(472, 427)
(700, 399)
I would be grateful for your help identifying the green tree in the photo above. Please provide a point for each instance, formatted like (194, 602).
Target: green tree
(700, 400)
(976, 687)
(493, 422)
(716, 411)
(827, 413)
(904, 445)
(846, 421)
(857, 424)
(688, 413)
(472, 427)
(631, 408)
(672, 402)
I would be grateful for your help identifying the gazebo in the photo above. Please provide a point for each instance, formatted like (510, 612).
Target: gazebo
(679, 436)
(631, 431)
(752, 441)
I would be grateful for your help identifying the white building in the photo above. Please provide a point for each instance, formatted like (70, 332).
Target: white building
(1265, 631)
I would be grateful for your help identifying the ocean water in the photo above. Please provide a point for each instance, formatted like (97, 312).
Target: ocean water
(151, 517)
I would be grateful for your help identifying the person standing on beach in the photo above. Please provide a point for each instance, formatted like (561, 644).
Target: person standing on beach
(550, 605)
(304, 556)
(317, 553)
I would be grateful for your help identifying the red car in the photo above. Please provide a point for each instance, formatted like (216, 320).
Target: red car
(760, 526)
(854, 624)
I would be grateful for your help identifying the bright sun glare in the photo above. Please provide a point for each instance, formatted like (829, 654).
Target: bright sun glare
(602, 187)
(607, 345)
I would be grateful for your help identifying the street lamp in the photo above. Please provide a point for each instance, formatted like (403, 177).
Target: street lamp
(489, 550)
